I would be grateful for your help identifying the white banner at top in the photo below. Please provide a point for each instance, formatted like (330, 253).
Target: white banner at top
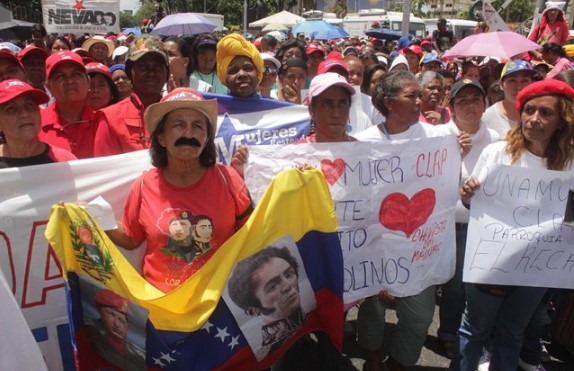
(81, 16)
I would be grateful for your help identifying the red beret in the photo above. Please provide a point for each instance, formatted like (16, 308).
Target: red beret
(541, 88)
(108, 298)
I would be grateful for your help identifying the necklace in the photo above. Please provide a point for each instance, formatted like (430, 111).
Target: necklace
(383, 128)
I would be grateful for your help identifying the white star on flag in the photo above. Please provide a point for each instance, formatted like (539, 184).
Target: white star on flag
(222, 334)
(234, 342)
(207, 327)
(167, 357)
(158, 362)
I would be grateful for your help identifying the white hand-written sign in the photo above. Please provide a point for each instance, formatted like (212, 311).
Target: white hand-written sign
(516, 234)
(394, 206)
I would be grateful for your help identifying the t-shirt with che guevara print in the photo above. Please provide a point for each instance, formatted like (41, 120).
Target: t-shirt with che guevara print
(166, 217)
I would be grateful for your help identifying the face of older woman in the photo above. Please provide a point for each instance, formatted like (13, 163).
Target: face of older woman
(540, 120)
(185, 134)
(432, 93)
(241, 78)
(100, 93)
(330, 112)
(20, 119)
(405, 109)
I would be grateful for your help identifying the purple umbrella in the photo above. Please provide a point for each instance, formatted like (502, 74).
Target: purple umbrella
(183, 24)
(501, 44)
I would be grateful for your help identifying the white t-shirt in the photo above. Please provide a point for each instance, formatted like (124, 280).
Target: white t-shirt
(482, 138)
(361, 112)
(496, 121)
(418, 130)
(495, 154)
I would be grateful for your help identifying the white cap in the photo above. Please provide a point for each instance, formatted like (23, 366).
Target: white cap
(555, 5)
(119, 51)
(269, 57)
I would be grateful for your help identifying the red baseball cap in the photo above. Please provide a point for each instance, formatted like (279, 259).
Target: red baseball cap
(329, 64)
(13, 88)
(6, 54)
(334, 55)
(313, 48)
(96, 67)
(65, 56)
(32, 50)
(415, 49)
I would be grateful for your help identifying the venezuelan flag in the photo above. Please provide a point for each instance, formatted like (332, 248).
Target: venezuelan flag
(191, 328)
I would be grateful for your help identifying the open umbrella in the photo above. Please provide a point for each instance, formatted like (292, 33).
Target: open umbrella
(384, 34)
(183, 24)
(278, 35)
(319, 29)
(501, 44)
(275, 27)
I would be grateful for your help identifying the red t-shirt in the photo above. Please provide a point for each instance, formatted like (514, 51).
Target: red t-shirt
(121, 128)
(184, 226)
(77, 137)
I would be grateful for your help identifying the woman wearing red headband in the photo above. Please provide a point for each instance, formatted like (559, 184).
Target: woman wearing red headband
(542, 140)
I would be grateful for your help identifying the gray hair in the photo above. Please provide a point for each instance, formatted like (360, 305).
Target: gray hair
(429, 76)
(390, 86)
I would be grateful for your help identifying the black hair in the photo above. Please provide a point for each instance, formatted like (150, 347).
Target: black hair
(52, 39)
(369, 73)
(185, 49)
(288, 45)
(113, 88)
(38, 27)
(240, 285)
(555, 49)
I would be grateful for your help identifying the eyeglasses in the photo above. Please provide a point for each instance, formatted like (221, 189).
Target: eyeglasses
(270, 70)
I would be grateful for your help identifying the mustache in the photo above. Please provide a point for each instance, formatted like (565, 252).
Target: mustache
(183, 141)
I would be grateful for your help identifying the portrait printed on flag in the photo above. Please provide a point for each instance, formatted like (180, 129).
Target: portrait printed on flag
(270, 296)
(116, 327)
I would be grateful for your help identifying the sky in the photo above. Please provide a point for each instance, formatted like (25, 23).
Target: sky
(129, 5)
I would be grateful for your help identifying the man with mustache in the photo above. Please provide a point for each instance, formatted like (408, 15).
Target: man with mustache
(121, 126)
(185, 177)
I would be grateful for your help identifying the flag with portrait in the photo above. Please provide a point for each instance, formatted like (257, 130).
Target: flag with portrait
(280, 277)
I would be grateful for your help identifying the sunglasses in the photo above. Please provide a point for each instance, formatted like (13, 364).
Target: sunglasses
(270, 70)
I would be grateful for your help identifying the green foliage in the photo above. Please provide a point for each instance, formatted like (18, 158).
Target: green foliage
(144, 11)
(417, 8)
(518, 10)
(127, 20)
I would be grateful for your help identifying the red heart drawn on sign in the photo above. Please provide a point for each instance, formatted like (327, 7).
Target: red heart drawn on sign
(398, 213)
(332, 170)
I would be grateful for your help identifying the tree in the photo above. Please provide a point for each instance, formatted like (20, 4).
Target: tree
(517, 11)
(127, 20)
(144, 11)
(418, 8)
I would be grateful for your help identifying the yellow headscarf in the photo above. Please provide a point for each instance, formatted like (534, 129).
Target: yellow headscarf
(234, 45)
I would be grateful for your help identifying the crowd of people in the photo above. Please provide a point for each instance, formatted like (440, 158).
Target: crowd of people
(64, 97)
